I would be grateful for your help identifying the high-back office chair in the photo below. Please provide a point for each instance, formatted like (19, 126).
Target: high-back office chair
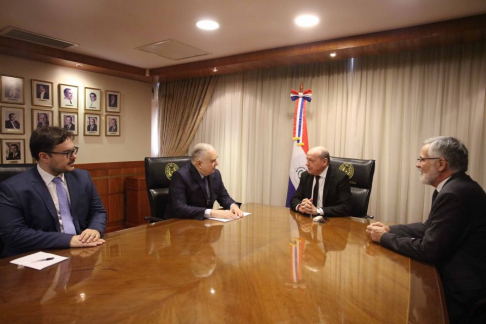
(7, 171)
(158, 172)
(360, 173)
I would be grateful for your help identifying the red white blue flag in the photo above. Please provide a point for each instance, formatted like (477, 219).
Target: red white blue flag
(300, 143)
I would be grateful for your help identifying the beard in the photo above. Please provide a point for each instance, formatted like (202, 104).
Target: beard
(430, 177)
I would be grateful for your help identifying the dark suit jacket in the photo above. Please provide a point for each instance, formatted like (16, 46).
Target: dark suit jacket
(40, 124)
(46, 95)
(113, 129)
(337, 192)
(10, 156)
(28, 217)
(70, 127)
(188, 197)
(8, 124)
(95, 128)
(453, 238)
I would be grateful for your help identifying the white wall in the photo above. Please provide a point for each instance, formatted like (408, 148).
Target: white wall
(134, 142)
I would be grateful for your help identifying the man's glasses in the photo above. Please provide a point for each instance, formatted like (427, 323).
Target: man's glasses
(68, 154)
(422, 160)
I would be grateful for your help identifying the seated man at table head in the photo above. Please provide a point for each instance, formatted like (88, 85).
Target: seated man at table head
(53, 205)
(333, 190)
(454, 236)
(194, 188)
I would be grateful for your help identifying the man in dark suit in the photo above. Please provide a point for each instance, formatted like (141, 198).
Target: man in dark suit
(43, 120)
(113, 126)
(332, 190)
(92, 127)
(42, 94)
(194, 188)
(51, 206)
(68, 124)
(11, 122)
(14, 152)
(454, 236)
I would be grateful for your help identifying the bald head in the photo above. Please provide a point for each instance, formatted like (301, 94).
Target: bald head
(317, 160)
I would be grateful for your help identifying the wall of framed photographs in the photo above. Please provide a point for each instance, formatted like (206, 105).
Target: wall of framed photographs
(110, 116)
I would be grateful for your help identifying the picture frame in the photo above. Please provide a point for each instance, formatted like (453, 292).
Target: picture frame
(13, 150)
(42, 93)
(13, 120)
(92, 99)
(92, 124)
(42, 118)
(12, 89)
(69, 121)
(68, 96)
(112, 127)
(113, 101)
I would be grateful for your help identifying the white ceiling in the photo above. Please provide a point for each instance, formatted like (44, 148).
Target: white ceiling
(112, 29)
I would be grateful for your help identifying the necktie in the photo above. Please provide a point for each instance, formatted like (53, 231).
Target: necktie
(315, 195)
(208, 195)
(434, 196)
(67, 219)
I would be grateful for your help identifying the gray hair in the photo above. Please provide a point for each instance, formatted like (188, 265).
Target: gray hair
(199, 150)
(451, 149)
(325, 155)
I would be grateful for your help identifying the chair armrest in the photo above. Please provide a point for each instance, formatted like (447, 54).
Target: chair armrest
(153, 219)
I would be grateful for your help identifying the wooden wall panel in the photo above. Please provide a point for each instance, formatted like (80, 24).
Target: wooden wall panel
(110, 181)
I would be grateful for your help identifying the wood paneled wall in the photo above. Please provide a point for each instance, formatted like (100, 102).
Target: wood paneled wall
(110, 179)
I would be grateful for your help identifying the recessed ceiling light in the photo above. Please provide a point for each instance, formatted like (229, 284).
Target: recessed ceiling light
(215, 70)
(207, 24)
(79, 65)
(333, 54)
(306, 21)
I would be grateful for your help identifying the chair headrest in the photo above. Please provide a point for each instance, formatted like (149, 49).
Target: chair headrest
(9, 170)
(159, 170)
(360, 172)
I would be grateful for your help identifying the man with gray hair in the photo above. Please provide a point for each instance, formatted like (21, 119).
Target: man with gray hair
(454, 236)
(197, 185)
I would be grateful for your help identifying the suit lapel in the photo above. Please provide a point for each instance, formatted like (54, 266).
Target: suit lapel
(40, 186)
(327, 184)
(73, 196)
(197, 178)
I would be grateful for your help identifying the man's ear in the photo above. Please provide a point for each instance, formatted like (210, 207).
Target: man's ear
(442, 164)
(43, 156)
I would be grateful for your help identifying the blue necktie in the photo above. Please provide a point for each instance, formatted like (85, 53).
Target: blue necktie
(67, 219)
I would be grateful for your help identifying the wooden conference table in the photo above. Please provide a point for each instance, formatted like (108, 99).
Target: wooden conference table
(274, 266)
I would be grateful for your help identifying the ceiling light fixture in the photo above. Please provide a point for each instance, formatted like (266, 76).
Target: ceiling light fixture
(215, 70)
(79, 65)
(306, 21)
(333, 54)
(207, 24)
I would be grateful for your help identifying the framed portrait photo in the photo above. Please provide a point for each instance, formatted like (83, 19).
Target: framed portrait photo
(92, 99)
(13, 120)
(12, 89)
(92, 124)
(69, 121)
(68, 96)
(113, 101)
(13, 151)
(112, 127)
(42, 93)
(42, 118)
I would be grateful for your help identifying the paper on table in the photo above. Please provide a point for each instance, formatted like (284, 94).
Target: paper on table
(225, 220)
(37, 260)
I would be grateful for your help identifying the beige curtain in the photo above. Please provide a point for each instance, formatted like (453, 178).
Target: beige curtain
(182, 105)
(379, 107)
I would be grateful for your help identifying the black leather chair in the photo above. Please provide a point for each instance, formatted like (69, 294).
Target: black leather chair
(360, 173)
(9, 170)
(158, 172)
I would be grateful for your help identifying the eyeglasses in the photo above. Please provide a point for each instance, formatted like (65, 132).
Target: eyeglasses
(68, 154)
(422, 160)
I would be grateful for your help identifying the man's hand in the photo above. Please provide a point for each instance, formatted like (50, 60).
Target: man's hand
(223, 214)
(376, 231)
(89, 235)
(236, 210)
(307, 207)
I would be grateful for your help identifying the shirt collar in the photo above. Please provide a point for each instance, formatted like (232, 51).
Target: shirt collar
(46, 176)
(324, 173)
(441, 184)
